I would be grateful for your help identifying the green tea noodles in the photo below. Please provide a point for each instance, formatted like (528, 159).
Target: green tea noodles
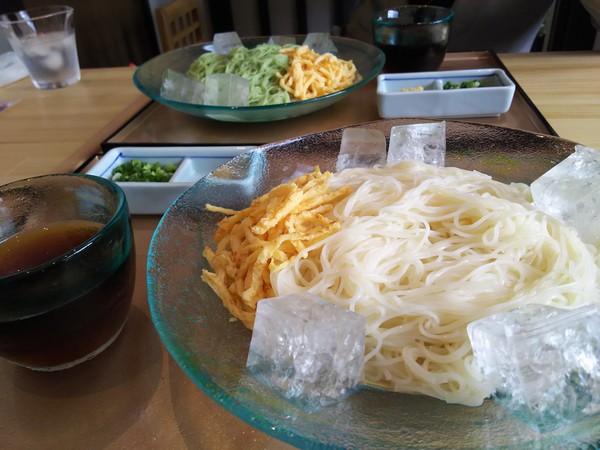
(260, 65)
(423, 251)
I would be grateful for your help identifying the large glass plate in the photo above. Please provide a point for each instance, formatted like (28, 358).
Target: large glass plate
(147, 78)
(212, 351)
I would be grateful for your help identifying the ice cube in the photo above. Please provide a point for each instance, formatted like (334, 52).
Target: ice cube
(309, 350)
(282, 40)
(179, 87)
(36, 46)
(570, 191)
(226, 89)
(54, 60)
(224, 42)
(420, 142)
(320, 43)
(542, 362)
(361, 147)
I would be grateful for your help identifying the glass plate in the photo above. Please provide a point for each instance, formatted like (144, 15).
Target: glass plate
(212, 351)
(147, 78)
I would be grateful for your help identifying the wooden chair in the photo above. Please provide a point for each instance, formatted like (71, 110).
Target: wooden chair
(179, 24)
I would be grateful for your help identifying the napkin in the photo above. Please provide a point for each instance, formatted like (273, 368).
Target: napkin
(11, 68)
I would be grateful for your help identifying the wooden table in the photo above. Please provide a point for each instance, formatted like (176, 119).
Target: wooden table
(58, 130)
(134, 395)
(565, 87)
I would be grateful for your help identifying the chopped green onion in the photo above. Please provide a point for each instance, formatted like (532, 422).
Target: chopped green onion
(470, 84)
(136, 170)
(463, 85)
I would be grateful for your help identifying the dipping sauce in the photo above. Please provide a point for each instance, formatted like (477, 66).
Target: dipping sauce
(87, 302)
(414, 38)
(413, 58)
(30, 248)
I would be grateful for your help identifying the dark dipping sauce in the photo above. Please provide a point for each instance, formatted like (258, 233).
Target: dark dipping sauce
(413, 58)
(413, 38)
(33, 247)
(90, 314)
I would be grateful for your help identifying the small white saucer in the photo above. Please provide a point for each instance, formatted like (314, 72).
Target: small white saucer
(156, 197)
(421, 94)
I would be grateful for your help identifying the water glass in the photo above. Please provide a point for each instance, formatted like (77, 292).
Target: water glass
(44, 39)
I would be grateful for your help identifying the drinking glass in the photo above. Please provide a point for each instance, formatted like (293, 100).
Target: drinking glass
(67, 269)
(44, 40)
(414, 38)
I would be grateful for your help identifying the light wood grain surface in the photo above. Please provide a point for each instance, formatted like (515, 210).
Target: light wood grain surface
(566, 89)
(134, 395)
(56, 130)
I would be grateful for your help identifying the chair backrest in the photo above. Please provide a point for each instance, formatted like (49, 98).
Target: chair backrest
(179, 24)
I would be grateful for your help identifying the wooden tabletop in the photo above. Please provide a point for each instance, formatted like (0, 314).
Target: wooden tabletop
(565, 87)
(48, 131)
(134, 395)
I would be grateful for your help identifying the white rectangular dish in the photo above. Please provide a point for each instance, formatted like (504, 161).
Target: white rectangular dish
(421, 94)
(156, 197)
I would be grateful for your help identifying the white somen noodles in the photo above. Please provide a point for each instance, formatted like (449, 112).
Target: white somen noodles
(422, 252)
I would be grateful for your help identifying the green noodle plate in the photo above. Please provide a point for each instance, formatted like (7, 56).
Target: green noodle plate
(148, 78)
(260, 65)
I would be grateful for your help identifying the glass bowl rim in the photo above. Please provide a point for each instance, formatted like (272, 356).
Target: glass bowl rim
(377, 16)
(214, 108)
(111, 186)
(41, 12)
(203, 379)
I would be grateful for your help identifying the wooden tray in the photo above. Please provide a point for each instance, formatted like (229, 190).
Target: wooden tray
(159, 125)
